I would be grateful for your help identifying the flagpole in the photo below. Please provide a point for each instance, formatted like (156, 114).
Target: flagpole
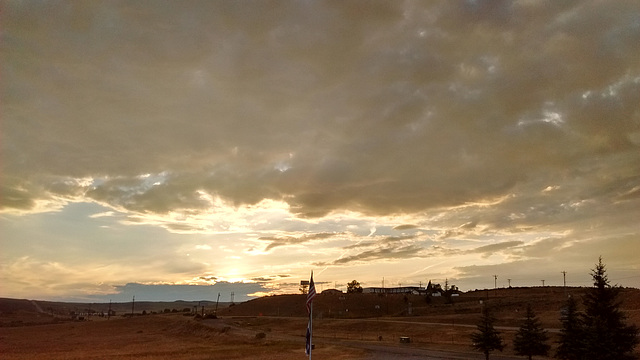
(310, 295)
(311, 330)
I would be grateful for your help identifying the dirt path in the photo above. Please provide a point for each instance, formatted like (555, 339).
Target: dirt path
(37, 306)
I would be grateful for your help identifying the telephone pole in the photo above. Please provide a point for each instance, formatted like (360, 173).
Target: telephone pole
(495, 284)
(509, 280)
(133, 304)
(564, 282)
(217, 301)
(542, 283)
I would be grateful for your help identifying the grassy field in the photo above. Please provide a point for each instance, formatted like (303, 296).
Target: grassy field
(155, 337)
(274, 327)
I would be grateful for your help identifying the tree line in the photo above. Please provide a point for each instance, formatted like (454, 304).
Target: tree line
(599, 332)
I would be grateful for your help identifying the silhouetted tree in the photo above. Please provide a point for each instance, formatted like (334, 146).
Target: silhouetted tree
(428, 292)
(571, 344)
(448, 294)
(605, 332)
(354, 287)
(304, 288)
(531, 339)
(437, 288)
(486, 339)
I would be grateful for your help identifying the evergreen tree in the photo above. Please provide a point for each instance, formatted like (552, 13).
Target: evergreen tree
(605, 332)
(571, 344)
(531, 338)
(487, 338)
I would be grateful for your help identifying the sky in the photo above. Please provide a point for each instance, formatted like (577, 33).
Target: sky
(179, 149)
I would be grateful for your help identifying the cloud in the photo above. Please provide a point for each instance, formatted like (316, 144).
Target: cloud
(275, 241)
(383, 253)
(405, 227)
(494, 138)
(171, 292)
(267, 279)
(490, 249)
(387, 240)
(502, 128)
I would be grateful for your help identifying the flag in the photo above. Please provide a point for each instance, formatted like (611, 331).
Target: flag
(311, 294)
(307, 347)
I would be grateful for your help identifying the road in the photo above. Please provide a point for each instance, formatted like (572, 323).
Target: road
(508, 328)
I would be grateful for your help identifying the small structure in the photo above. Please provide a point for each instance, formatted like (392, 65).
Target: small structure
(332, 292)
(394, 290)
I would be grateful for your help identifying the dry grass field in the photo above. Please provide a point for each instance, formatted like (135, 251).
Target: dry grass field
(274, 327)
(156, 337)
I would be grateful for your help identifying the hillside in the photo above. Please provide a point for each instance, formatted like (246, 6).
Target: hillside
(19, 312)
(508, 304)
(346, 326)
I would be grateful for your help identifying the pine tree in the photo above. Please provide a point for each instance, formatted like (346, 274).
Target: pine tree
(605, 332)
(531, 339)
(487, 338)
(571, 344)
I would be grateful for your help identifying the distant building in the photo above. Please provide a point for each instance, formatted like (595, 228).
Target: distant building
(332, 291)
(416, 290)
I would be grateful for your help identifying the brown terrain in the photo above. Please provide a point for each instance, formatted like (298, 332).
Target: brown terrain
(346, 326)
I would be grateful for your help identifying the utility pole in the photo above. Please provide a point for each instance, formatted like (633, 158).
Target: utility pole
(217, 301)
(109, 313)
(509, 280)
(133, 304)
(542, 283)
(232, 296)
(495, 284)
(564, 282)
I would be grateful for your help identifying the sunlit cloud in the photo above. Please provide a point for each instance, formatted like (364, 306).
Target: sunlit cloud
(208, 143)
